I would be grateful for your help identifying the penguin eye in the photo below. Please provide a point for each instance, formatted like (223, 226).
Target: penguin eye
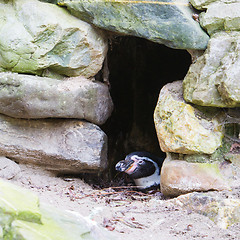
(141, 162)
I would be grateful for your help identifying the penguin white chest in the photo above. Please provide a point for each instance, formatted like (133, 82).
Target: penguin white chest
(149, 181)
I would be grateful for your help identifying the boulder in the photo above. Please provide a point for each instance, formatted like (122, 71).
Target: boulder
(35, 36)
(170, 23)
(221, 17)
(181, 128)
(213, 80)
(179, 176)
(59, 225)
(201, 4)
(204, 4)
(23, 217)
(27, 96)
(64, 146)
(224, 210)
(202, 172)
(8, 168)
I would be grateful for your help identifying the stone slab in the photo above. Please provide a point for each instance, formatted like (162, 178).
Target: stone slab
(27, 96)
(64, 146)
(167, 22)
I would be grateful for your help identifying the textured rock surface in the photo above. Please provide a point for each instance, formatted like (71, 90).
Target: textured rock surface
(60, 225)
(68, 146)
(182, 128)
(22, 217)
(169, 22)
(213, 80)
(223, 210)
(233, 158)
(179, 176)
(27, 96)
(8, 168)
(35, 36)
(203, 4)
(221, 17)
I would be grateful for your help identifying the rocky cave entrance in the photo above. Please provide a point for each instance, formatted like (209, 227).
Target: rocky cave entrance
(138, 69)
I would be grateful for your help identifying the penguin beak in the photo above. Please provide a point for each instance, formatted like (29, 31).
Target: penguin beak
(126, 166)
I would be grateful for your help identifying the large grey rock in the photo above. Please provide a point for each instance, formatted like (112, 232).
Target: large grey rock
(8, 168)
(169, 22)
(213, 80)
(222, 209)
(204, 4)
(35, 36)
(201, 4)
(181, 128)
(221, 17)
(27, 96)
(66, 146)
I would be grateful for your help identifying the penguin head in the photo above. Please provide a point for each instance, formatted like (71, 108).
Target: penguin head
(143, 167)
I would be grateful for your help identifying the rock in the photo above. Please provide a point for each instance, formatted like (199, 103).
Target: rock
(223, 210)
(181, 128)
(203, 4)
(213, 79)
(35, 36)
(27, 96)
(15, 205)
(22, 217)
(60, 225)
(179, 177)
(64, 146)
(233, 158)
(170, 23)
(195, 54)
(8, 168)
(201, 172)
(221, 17)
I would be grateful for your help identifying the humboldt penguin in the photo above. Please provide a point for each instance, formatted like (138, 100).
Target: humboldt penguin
(143, 167)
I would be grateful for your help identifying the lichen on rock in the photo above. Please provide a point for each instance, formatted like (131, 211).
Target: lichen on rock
(35, 36)
(221, 17)
(224, 211)
(179, 177)
(168, 22)
(181, 128)
(213, 80)
(23, 216)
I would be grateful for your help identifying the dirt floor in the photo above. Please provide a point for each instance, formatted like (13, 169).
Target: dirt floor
(126, 213)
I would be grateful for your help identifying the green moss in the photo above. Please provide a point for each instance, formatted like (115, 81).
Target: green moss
(211, 167)
(197, 158)
(19, 203)
(218, 155)
(175, 28)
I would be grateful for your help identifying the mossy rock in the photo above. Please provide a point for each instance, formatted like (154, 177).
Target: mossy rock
(23, 218)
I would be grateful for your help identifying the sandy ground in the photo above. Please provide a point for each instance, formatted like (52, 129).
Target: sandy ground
(128, 215)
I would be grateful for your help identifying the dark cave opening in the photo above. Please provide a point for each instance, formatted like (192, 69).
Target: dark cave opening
(138, 70)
